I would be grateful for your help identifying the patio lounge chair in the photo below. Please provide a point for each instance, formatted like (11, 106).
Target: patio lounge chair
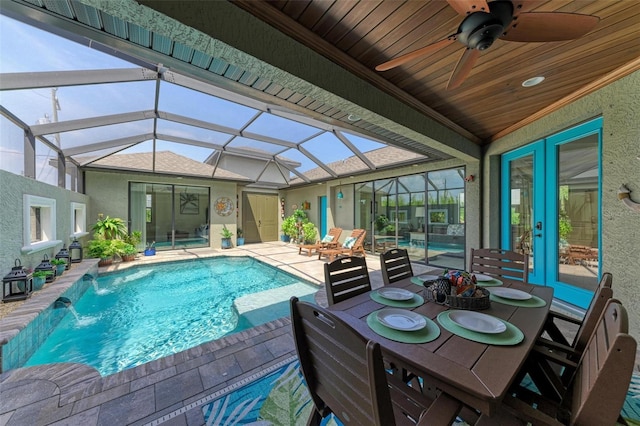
(329, 241)
(352, 245)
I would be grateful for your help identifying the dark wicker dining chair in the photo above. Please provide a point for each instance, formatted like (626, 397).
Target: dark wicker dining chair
(346, 277)
(395, 265)
(345, 375)
(507, 266)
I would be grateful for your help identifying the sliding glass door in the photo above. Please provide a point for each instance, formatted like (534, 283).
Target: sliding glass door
(171, 216)
(423, 213)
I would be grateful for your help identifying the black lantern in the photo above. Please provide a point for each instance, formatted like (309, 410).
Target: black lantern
(64, 255)
(75, 251)
(47, 266)
(17, 284)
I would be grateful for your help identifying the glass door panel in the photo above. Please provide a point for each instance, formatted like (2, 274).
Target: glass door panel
(550, 200)
(411, 190)
(385, 223)
(523, 206)
(191, 228)
(363, 208)
(445, 230)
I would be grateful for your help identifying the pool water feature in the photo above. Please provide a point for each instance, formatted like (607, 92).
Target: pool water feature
(141, 314)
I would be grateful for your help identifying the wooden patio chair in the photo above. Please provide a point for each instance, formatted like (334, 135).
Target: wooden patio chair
(329, 241)
(553, 337)
(550, 374)
(598, 389)
(346, 277)
(345, 375)
(395, 265)
(507, 266)
(354, 244)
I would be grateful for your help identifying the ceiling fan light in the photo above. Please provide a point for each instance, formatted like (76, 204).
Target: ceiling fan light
(533, 81)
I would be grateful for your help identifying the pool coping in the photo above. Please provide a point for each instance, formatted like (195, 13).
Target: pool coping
(19, 320)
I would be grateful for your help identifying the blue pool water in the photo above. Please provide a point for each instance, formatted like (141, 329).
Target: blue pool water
(134, 316)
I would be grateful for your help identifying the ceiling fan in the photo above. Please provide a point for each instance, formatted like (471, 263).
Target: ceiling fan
(485, 22)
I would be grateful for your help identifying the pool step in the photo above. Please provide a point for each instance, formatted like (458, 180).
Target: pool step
(257, 306)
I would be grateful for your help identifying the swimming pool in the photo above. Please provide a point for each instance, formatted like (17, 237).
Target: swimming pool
(134, 316)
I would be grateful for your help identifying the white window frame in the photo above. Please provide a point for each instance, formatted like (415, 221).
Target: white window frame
(78, 210)
(48, 223)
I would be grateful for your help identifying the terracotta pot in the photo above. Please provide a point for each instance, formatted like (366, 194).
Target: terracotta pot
(105, 262)
(128, 257)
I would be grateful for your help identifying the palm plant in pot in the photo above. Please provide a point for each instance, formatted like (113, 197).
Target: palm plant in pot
(226, 237)
(240, 238)
(109, 228)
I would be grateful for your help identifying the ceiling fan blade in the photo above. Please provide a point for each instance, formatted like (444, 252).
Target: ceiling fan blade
(549, 26)
(463, 68)
(417, 53)
(464, 7)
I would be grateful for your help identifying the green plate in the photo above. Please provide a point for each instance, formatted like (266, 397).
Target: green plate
(511, 336)
(430, 332)
(416, 301)
(534, 302)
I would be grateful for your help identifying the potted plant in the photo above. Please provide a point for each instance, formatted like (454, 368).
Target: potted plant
(102, 249)
(309, 232)
(109, 228)
(60, 266)
(288, 228)
(39, 278)
(240, 239)
(226, 237)
(127, 252)
(133, 238)
(150, 249)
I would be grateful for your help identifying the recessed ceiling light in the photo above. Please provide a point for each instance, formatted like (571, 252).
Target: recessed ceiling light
(534, 81)
(353, 117)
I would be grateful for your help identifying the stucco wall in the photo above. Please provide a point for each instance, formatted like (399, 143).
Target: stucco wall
(12, 189)
(619, 105)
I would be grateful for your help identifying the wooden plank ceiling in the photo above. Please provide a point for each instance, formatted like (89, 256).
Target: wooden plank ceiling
(491, 102)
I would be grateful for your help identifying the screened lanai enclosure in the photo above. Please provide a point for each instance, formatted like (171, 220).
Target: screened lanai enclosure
(77, 106)
(74, 104)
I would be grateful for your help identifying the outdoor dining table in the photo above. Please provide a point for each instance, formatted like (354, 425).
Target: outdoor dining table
(477, 374)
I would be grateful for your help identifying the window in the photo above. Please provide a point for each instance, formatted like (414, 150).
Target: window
(438, 216)
(39, 223)
(78, 219)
